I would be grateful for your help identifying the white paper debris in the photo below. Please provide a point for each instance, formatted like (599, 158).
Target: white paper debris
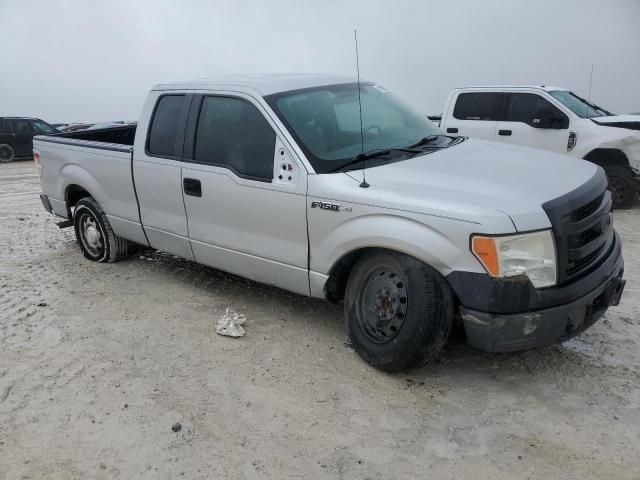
(230, 324)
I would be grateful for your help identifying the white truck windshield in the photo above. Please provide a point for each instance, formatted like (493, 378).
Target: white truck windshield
(578, 105)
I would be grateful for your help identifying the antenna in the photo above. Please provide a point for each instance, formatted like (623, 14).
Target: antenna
(364, 183)
(589, 97)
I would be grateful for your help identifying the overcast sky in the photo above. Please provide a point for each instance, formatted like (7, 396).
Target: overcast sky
(95, 60)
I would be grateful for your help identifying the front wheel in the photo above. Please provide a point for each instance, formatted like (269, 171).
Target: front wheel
(623, 186)
(94, 233)
(398, 310)
(7, 153)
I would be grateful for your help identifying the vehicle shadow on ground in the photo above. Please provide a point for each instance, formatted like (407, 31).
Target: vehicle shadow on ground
(327, 319)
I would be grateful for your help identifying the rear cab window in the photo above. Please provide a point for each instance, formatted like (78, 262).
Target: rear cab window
(484, 106)
(164, 133)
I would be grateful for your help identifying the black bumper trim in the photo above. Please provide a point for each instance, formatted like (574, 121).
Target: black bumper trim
(46, 203)
(522, 331)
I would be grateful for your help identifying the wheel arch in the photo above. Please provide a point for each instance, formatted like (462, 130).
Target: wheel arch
(336, 282)
(606, 157)
(76, 183)
(442, 244)
(73, 194)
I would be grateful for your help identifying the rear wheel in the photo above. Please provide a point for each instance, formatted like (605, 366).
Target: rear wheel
(95, 235)
(623, 186)
(398, 310)
(7, 153)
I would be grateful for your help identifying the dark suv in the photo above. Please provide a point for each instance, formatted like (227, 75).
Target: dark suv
(16, 136)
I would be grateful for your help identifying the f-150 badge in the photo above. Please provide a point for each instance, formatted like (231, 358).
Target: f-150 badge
(334, 207)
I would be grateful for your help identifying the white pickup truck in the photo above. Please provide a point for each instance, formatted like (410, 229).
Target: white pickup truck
(264, 177)
(554, 119)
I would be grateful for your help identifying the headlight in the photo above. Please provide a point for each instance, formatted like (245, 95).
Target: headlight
(530, 254)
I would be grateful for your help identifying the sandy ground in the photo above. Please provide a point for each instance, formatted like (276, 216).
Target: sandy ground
(97, 362)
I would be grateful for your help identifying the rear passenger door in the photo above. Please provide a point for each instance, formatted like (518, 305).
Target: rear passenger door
(244, 193)
(475, 114)
(157, 172)
(533, 121)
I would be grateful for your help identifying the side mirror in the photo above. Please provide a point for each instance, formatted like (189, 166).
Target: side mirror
(547, 118)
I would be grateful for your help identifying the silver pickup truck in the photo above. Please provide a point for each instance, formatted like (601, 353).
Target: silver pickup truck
(333, 189)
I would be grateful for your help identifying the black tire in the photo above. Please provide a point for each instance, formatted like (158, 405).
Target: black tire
(7, 153)
(422, 312)
(623, 186)
(95, 235)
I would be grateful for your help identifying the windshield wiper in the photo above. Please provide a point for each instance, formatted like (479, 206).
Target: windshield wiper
(378, 152)
(426, 140)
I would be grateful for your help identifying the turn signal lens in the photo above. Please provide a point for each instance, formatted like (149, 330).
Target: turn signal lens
(484, 248)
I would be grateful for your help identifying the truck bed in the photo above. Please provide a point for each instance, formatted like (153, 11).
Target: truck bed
(100, 162)
(124, 135)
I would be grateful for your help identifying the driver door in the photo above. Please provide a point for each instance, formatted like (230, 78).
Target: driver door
(532, 121)
(244, 193)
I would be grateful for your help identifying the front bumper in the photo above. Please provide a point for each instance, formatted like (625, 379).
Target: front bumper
(508, 330)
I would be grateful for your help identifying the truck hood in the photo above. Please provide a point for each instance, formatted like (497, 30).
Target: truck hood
(632, 122)
(477, 175)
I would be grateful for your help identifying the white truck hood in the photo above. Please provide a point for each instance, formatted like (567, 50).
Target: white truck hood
(479, 174)
(617, 119)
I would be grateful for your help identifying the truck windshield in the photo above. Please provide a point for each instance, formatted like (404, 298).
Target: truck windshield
(325, 121)
(578, 105)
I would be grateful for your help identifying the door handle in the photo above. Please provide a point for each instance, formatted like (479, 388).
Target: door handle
(505, 133)
(452, 130)
(192, 186)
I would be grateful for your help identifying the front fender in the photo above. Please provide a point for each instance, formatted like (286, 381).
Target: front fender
(443, 244)
(628, 143)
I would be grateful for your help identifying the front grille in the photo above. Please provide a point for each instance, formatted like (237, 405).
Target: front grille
(582, 229)
(586, 210)
(581, 263)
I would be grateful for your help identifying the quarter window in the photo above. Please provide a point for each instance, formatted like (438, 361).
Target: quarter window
(478, 106)
(233, 133)
(163, 135)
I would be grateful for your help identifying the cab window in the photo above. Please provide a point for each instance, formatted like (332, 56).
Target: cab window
(534, 110)
(164, 139)
(232, 133)
(478, 106)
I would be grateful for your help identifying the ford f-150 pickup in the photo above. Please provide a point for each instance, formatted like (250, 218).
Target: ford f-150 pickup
(335, 189)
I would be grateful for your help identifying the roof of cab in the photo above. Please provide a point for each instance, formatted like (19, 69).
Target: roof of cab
(264, 84)
(19, 118)
(546, 88)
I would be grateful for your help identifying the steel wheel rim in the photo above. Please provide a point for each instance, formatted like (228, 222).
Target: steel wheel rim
(6, 153)
(90, 235)
(383, 304)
